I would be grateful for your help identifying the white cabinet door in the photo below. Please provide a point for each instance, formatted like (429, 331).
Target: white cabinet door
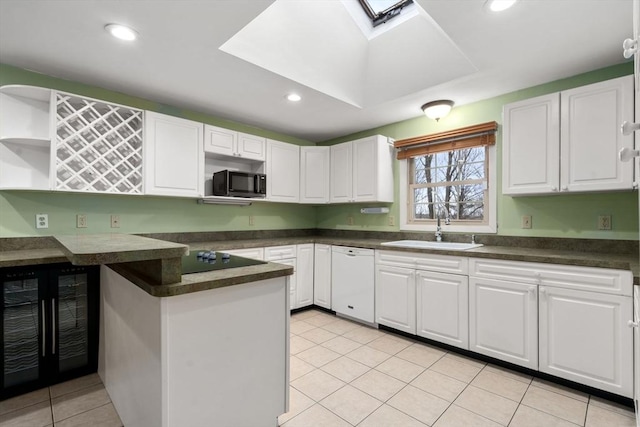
(293, 282)
(396, 298)
(503, 320)
(322, 276)
(372, 170)
(283, 172)
(341, 173)
(173, 156)
(531, 145)
(591, 137)
(314, 174)
(636, 345)
(443, 307)
(227, 142)
(220, 141)
(304, 275)
(251, 147)
(584, 337)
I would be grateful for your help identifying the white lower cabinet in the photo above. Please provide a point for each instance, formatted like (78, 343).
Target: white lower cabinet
(253, 253)
(636, 343)
(584, 337)
(322, 276)
(503, 320)
(304, 273)
(396, 298)
(443, 307)
(300, 257)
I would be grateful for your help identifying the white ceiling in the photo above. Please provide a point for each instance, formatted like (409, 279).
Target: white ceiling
(349, 81)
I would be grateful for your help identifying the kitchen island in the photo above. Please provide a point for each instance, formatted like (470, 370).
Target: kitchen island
(187, 350)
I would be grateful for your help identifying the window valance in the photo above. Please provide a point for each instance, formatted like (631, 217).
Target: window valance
(466, 137)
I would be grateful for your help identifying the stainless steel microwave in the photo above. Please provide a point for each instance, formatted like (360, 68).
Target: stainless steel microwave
(239, 184)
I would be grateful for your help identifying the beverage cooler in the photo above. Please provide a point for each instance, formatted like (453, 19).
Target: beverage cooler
(49, 325)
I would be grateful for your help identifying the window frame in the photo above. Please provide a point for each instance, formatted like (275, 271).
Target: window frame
(379, 18)
(489, 225)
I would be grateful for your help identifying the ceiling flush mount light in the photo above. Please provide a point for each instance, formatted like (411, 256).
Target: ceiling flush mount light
(121, 32)
(499, 5)
(293, 97)
(437, 109)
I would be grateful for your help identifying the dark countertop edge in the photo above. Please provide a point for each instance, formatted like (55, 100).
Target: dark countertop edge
(197, 282)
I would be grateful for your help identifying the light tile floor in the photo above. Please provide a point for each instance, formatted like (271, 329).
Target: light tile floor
(347, 374)
(80, 402)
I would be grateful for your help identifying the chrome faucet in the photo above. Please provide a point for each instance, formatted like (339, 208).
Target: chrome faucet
(438, 231)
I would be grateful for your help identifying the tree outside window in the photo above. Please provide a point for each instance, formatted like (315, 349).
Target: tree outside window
(450, 185)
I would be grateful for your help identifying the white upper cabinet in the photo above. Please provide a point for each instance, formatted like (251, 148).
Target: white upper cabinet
(173, 156)
(568, 141)
(530, 145)
(283, 172)
(591, 138)
(341, 173)
(362, 171)
(314, 174)
(225, 142)
(25, 137)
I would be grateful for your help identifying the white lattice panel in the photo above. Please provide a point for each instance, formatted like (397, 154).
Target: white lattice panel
(98, 146)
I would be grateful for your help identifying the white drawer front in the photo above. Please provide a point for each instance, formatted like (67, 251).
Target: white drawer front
(605, 280)
(442, 263)
(421, 261)
(253, 253)
(397, 259)
(274, 253)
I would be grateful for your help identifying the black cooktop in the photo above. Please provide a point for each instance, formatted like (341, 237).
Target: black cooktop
(198, 262)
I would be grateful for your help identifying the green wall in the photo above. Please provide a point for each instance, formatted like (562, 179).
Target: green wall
(553, 216)
(571, 215)
(138, 214)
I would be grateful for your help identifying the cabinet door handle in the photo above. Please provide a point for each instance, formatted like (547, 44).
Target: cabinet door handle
(629, 48)
(44, 332)
(633, 324)
(565, 188)
(554, 188)
(53, 326)
(543, 293)
(532, 290)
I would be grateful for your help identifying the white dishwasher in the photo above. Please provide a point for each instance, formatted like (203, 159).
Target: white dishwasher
(352, 282)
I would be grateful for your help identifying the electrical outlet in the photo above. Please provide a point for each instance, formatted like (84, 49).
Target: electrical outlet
(81, 221)
(42, 220)
(115, 221)
(604, 222)
(525, 221)
(391, 220)
(251, 220)
(350, 220)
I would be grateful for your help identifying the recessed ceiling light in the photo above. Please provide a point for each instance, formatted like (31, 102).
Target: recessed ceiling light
(121, 32)
(293, 97)
(500, 5)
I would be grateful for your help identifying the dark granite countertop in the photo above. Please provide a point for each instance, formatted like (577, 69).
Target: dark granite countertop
(125, 252)
(549, 256)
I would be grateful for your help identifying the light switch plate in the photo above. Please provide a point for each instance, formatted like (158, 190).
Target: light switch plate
(115, 221)
(526, 221)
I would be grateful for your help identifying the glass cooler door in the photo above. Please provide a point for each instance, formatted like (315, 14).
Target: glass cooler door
(23, 327)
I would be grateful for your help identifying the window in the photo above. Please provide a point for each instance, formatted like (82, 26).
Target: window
(451, 176)
(451, 185)
(380, 11)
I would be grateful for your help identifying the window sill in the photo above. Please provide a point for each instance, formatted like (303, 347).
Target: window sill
(484, 228)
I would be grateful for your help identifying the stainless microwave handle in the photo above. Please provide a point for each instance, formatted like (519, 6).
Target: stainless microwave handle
(256, 184)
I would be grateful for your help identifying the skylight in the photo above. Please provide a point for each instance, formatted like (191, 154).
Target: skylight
(380, 11)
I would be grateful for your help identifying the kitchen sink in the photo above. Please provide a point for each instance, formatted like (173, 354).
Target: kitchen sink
(421, 244)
